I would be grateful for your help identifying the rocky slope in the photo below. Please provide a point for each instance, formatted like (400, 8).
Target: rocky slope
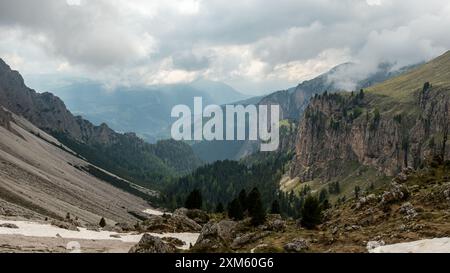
(40, 178)
(5, 119)
(400, 123)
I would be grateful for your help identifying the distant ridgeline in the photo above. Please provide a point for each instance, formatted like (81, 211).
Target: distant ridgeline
(126, 155)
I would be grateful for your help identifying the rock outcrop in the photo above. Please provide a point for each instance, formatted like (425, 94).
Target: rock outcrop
(152, 244)
(169, 223)
(199, 216)
(297, 246)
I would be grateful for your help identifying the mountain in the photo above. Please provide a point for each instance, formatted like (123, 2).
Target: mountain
(145, 110)
(41, 178)
(293, 103)
(357, 138)
(123, 154)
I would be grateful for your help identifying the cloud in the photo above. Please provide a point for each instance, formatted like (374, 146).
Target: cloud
(252, 45)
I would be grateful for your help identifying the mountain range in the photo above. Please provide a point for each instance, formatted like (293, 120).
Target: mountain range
(123, 154)
(293, 103)
(145, 110)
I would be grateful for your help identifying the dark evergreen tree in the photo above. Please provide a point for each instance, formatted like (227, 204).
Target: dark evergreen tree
(323, 195)
(255, 208)
(361, 94)
(220, 208)
(275, 207)
(102, 223)
(325, 205)
(235, 211)
(311, 212)
(243, 200)
(194, 200)
(253, 198)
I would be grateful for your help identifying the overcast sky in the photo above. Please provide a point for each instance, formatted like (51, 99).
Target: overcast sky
(255, 46)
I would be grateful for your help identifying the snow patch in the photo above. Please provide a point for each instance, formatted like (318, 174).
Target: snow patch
(155, 212)
(33, 229)
(437, 245)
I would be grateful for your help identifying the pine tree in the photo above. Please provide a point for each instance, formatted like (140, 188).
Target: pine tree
(361, 94)
(252, 200)
(235, 211)
(243, 200)
(275, 207)
(311, 212)
(102, 223)
(194, 200)
(255, 208)
(323, 195)
(219, 208)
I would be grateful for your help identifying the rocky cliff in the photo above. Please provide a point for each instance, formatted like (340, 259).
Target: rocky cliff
(47, 111)
(400, 123)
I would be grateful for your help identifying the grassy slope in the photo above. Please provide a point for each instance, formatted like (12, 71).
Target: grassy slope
(400, 88)
(398, 94)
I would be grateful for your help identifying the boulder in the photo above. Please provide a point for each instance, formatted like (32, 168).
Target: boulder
(174, 241)
(199, 216)
(169, 223)
(366, 200)
(124, 227)
(352, 228)
(408, 210)
(216, 236)
(297, 246)
(249, 238)
(65, 225)
(8, 225)
(152, 244)
(375, 244)
(396, 193)
(277, 225)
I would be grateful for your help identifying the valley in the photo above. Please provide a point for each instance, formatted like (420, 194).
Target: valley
(357, 171)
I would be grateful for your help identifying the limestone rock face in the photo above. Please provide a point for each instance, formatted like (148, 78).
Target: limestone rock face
(342, 128)
(47, 111)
